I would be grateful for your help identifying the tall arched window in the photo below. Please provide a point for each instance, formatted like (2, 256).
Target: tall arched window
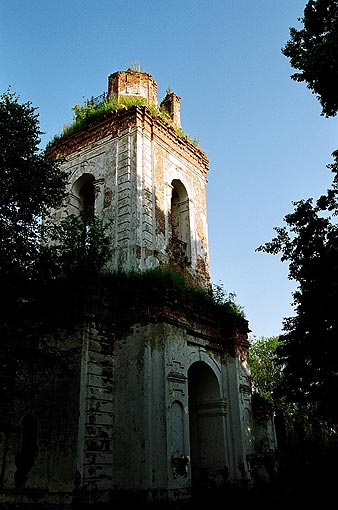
(180, 222)
(87, 196)
(82, 197)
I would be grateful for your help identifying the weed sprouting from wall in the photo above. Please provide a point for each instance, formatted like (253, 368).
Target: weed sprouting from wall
(91, 112)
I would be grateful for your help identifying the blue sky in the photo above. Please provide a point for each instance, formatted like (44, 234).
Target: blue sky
(263, 133)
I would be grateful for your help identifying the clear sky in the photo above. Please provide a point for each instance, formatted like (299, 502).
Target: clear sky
(263, 133)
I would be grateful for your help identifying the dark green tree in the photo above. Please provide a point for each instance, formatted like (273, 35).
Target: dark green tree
(308, 241)
(309, 349)
(313, 51)
(265, 367)
(78, 248)
(30, 183)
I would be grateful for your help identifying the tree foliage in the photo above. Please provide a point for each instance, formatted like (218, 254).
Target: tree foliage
(309, 244)
(78, 246)
(30, 183)
(308, 241)
(313, 51)
(265, 366)
(36, 279)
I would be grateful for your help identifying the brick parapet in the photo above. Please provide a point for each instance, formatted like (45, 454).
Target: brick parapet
(111, 124)
(223, 332)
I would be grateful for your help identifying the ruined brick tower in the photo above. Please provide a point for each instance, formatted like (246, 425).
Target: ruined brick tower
(153, 401)
(146, 177)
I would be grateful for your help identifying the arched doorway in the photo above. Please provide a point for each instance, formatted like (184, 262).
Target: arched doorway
(180, 223)
(206, 423)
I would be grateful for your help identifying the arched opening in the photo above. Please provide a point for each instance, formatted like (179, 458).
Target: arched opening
(87, 196)
(206, 424)
(179, 457)
(180, 223)
(82, 196)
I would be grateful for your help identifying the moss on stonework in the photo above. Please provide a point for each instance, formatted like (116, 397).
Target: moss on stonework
(147, 294)
(122, 297)
(91, 113)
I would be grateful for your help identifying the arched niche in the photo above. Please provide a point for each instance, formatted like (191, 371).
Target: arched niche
(179, 457)
(180, 222)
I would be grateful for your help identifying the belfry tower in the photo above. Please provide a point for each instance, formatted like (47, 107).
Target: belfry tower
(148, 400)
(138, 170)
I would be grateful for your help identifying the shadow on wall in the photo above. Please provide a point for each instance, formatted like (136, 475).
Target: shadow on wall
(29, 448)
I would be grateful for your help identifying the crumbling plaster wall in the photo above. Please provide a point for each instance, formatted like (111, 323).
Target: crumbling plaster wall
(151, 410)
(133, 168)
(41, 469)
(113, 412)
(96, 414)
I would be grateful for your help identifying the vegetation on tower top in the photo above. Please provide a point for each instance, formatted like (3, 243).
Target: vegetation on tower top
(93, 110)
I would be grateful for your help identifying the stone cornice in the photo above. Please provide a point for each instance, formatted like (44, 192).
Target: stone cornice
(113, 123)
